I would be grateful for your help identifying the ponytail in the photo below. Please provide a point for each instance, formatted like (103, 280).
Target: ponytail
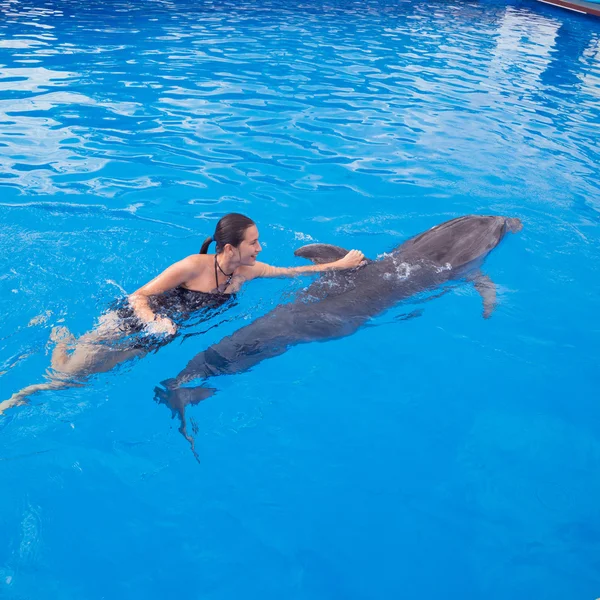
(207, 242)
(230, 230)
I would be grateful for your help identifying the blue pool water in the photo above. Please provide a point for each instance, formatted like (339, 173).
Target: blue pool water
(438, 457)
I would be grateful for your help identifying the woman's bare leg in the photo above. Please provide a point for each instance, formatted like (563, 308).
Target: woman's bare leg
(92, 353)
(21, 396)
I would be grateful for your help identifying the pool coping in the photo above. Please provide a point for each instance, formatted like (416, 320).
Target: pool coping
(579, 6)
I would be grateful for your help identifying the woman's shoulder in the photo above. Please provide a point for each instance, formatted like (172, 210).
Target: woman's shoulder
(199, 259)
(196, 262)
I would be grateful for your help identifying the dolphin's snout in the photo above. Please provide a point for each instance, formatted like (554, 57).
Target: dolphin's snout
(513, 224)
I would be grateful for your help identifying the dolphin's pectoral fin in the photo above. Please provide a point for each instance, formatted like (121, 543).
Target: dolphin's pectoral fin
(401, 317)
(411, 315)
(487, 290)
(321, 253)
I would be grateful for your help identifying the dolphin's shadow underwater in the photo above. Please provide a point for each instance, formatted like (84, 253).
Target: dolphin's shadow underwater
(339, 302)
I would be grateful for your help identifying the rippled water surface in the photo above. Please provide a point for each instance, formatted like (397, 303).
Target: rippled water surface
(444, 456)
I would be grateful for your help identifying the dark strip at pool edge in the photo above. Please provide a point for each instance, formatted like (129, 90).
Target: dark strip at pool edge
(575, 5)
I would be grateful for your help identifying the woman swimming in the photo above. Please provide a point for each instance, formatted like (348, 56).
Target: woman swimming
(151, 316)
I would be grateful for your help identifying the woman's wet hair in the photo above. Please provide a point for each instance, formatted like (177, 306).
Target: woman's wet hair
(230, 229)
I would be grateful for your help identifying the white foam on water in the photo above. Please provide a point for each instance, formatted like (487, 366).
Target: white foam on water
(402, 270)
(446, 267)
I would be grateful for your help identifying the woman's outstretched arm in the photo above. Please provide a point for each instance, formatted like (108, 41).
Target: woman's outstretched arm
(353, 259)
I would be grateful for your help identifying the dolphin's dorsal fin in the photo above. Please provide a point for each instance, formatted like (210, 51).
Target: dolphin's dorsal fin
(321, 253)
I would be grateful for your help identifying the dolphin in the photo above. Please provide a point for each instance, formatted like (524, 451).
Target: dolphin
(339, 302)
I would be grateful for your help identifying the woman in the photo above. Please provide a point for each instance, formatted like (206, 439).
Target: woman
(150, 317)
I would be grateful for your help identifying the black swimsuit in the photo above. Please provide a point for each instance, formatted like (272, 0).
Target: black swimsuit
(177, 304)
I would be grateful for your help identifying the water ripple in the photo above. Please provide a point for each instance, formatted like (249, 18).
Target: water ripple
(235, 89)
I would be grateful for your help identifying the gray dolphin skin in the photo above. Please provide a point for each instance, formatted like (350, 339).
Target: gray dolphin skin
(339, 302)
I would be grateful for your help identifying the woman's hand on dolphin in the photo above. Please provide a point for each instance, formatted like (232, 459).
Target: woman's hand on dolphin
(160, 326)
(353, 259)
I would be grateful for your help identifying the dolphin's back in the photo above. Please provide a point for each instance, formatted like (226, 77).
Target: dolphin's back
(458, 242)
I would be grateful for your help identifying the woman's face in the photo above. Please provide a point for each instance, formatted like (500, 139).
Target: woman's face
(249, 247)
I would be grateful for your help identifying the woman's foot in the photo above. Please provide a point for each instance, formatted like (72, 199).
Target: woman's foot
(62, 337)
(61, 334)
(14, 400)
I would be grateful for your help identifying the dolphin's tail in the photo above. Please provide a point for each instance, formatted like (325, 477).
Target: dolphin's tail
(177, 399)
(513, 224)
